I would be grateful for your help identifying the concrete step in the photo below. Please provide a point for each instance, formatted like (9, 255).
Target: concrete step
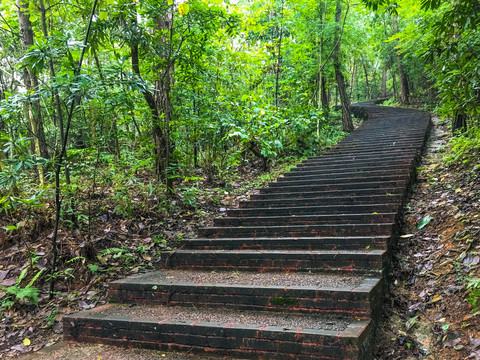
(304, 230)
(349, 161)
(357, 157)
(394, 199)
(364, 169)
(375, 148)
(326, 209)
(365, 218)
(329, 193)
(324, 261)
(329, 186)
(296, 292)
(290, 243)
(361, 164)
(332, 177)
(224, 332)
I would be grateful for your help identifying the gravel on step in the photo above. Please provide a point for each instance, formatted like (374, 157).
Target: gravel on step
(246, 278)
(76, 351)
(263, 318)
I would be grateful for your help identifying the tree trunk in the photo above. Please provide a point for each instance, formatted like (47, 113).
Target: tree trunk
(352, 80)
(403, 79)
(34, 109)
(347, 123)
(149, 98)
(3, 155)
(459, 123)
(279, 62)
(384, 81)
(2, 96)
(322, 81)
(394, 85)
(162, 100)
(325, 102)
(367, 85)
(159, 105)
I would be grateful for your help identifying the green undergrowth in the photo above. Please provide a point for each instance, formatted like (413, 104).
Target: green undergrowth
(465, 149)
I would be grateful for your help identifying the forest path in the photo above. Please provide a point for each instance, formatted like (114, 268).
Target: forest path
(296, 272)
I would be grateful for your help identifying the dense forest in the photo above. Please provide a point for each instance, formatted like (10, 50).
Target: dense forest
(121, 113)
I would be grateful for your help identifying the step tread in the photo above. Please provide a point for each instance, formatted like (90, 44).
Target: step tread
(296, 238)
(203, 317)
(363, 252)
(250, 279)
(299, 227)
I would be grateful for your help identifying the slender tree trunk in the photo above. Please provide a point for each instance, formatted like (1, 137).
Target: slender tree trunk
(34, 109)
(322, 81)
(367, 85)
(58, 112)
(159, 118)
(352, 80)
(384, 81)
(2, 96)
(59, 161)
(325, 101)
(347, 123)
(162, 100)
(3, 155)
(97, 63)
(279, 61)
(394, 84)
(403, 79)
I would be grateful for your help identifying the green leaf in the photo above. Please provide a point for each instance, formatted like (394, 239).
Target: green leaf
(410, 322)
(103, 15)
(424, 222)
(183, 8)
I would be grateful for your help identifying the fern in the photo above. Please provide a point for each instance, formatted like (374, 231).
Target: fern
(29, 293)
(111, 251)
(22, 276)
(35, 278)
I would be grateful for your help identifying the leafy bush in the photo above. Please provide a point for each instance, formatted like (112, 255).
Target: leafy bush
(465, 149)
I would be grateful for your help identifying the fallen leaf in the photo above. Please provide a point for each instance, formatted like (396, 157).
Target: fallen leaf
(435, 299)
(424, 222)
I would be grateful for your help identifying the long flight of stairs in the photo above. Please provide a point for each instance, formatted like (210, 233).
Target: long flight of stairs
(297, 272)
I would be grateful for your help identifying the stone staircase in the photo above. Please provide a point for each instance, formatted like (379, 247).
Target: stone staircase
(296, 272)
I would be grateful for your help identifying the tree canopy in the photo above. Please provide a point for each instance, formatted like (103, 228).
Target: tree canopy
(146, 96)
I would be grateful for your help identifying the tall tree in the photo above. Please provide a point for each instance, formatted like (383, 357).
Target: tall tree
(347, 123)
(159, 101)
(30, 79)
(402, 75)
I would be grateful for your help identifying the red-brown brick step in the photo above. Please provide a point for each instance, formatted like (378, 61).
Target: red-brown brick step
(330, 200)
(296, 292)
(329, 193)
(292, 243)
(298, 230)
(256, 335)
(358, 218)
(315, 209)
(327, 261)
(340, 176)
(328, 186)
